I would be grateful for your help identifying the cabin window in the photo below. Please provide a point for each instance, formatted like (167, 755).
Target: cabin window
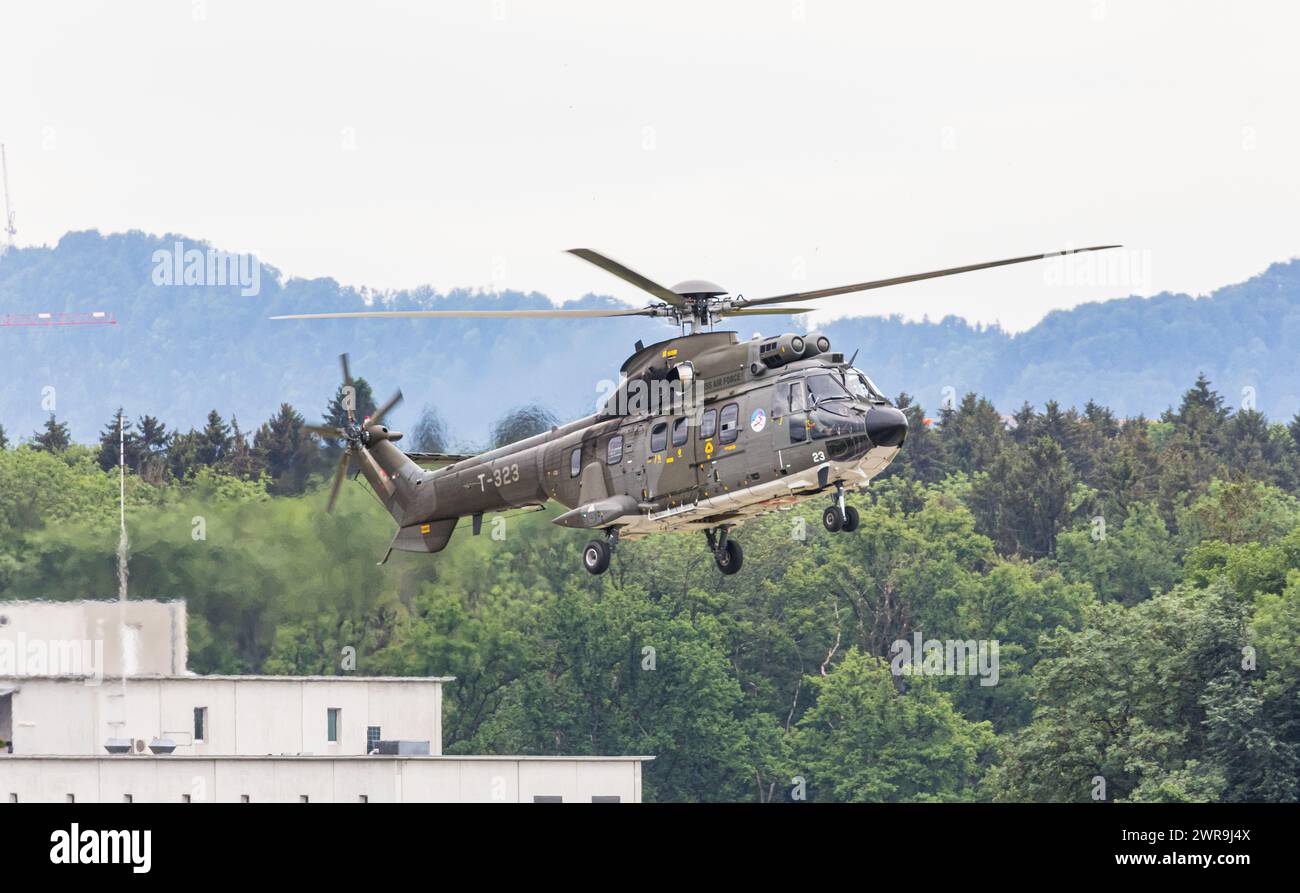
(780, 402)
(730, 430)
(575, 462)
(679, 432)
(798, 402)
(708, 424)
(614, 452)
(659, 437)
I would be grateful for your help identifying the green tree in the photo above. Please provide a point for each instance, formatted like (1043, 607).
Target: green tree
(363, 401)
(289, 454)
(214, 443)
(430, 433)
(1124, 562)
(520, 423)
(53, 437)
(864, 741)
(111, 450)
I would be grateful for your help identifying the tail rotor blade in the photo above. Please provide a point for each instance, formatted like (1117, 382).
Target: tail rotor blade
(339, 474)
(382, 411)
(349, 392)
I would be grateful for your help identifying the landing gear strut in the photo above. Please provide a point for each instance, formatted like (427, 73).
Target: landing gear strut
(839, 517)
(595, 558)
(726, 552)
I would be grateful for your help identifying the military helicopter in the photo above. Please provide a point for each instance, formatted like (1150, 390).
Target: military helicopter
(703, 432)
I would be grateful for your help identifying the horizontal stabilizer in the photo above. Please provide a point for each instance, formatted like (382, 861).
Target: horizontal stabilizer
(431, 536)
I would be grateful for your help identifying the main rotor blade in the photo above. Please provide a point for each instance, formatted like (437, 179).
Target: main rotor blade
(915, 277)
(470, 314)
(347, 376)
(338, 482)
(765, 311)
(627, 275)
(323, 431)
(378, 415)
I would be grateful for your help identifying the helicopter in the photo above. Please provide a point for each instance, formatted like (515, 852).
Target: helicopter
(703, 432)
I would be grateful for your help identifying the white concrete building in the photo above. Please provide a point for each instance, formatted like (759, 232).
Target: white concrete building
(96, 705)
(372, 779)
(220, 715)
(92, 638)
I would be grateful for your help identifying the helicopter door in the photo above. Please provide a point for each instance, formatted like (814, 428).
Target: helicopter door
(668, 470)
(790, 416)
(627, 468)
(704, 444)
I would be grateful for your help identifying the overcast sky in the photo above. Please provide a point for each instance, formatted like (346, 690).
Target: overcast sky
(768, 145)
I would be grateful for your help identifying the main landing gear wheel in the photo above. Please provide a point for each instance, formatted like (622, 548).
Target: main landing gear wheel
(595, 558)
(730, 557)
(833, 519)
(838, 516)
(726, 551)
(851, 519)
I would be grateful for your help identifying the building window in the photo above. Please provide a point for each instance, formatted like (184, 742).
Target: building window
(127, 798)
(364, 798)
(244, 798)
(302, 798)
(575, 462)
(71, 798)
(614, 451)
(200, 724)
(659, 437)
(13, 798)
(332, 725)
(679, 432)
(730, 430)
(600, 799)
(186, 798)
(547, 798)
(372, 739)
(708, 424)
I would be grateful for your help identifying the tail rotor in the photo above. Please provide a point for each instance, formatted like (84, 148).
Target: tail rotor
(356, 436)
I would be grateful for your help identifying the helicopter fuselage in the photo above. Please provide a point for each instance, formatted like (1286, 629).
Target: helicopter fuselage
(730, 429)
(703, 432)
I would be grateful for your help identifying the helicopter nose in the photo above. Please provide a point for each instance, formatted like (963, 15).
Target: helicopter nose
(886, 426)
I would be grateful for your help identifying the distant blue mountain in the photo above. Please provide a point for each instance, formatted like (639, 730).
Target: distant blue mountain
(180, 350)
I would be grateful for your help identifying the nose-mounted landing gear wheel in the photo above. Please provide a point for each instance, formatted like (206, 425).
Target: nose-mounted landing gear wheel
(595, 558)
(727, 553)
(838, 517)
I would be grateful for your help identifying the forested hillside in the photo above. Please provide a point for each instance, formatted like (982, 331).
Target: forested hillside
(180, 351)
(1140, 578)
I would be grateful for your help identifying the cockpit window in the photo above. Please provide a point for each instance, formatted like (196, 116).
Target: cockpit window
(826, 387)
(862, 387)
